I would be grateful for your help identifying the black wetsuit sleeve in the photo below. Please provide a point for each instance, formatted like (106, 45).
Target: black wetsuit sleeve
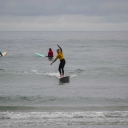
(60, 48)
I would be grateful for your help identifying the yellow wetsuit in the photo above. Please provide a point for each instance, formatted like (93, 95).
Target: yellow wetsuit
(60, 56)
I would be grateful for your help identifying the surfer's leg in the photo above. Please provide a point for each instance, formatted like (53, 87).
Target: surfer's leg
(63, 64)
(63, 71)
(59, 69)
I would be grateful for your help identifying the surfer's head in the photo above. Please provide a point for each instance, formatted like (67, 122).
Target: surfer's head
(50, 49)
(58, 50)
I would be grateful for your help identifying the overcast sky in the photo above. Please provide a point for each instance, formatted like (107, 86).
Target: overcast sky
(63, 15)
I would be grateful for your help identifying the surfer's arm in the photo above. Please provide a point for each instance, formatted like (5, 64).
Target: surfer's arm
(59, 47)
(53, 61)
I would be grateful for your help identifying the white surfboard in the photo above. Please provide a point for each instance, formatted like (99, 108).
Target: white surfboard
(4, 53)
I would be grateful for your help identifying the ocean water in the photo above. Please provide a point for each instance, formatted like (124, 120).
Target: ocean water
(96, 95)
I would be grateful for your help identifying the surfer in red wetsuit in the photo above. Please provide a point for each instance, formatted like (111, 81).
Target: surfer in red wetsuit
(50, 53)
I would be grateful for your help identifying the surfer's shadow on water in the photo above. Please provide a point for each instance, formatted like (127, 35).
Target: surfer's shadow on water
(50, 58)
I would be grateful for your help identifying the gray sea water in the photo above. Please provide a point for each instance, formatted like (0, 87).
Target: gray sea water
(96, 96)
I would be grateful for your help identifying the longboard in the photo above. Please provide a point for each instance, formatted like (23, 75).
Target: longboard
(38, 54)
(4, 53)
(65, 77)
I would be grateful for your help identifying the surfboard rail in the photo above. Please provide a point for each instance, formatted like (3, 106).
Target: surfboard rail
(65, 77)
(38, 54)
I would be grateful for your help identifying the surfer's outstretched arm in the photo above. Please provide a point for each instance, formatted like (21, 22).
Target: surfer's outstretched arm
(53, 61)
(59, 47)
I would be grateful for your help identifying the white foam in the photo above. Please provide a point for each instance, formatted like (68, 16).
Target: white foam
(74, 75)
(87, 114)
(72, 118)
(56, 74)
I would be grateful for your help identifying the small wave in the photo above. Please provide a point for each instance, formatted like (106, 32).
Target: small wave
(84, 114)
(5, 99)
(63, 118)
(80, 70)
(30, 72)
(53, 74)
(74, 75)
(56, 74)
(25, 100)
(23, 72)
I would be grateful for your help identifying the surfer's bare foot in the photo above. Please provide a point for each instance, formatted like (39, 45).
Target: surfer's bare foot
(61, 76)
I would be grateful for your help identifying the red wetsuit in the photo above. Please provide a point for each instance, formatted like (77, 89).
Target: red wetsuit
(50, 53)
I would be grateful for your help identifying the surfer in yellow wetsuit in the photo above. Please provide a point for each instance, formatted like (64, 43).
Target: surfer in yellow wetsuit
(60, 56)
